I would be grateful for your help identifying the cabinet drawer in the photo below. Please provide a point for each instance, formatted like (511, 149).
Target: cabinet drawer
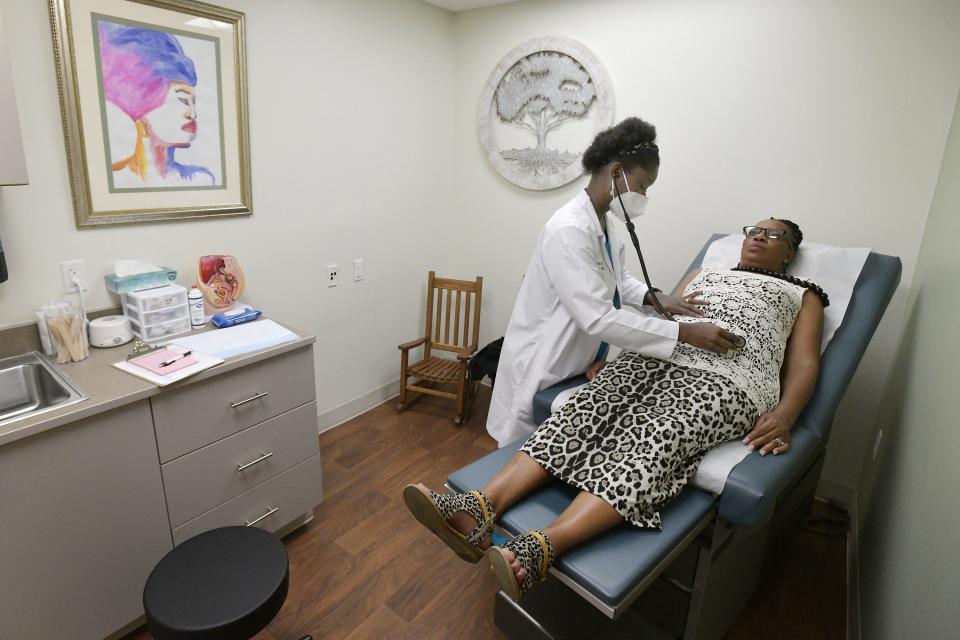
(290, 494)
(193, 416)
(199, 481)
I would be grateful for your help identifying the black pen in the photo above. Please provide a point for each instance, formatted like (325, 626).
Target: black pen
(180, 357)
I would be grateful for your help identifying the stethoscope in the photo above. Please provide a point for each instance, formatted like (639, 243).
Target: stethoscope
(643, 265)
(740, 342)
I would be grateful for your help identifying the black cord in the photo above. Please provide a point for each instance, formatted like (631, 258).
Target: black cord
(643, 265)
(831, 527)
(827, 525)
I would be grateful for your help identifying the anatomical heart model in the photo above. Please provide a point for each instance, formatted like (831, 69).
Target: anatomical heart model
(220, 279)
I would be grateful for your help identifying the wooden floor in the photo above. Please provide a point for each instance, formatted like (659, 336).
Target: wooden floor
(364, 568)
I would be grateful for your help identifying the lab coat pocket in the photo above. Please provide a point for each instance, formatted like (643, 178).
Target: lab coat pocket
(522, 405)
(547, 379)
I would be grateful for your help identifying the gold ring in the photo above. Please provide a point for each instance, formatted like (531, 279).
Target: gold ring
(780, 442)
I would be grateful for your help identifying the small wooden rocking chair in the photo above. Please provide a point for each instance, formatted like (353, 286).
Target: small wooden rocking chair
(442, 312)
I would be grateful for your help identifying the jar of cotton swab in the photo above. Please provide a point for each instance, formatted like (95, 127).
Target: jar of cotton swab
(46, 342)
(68, 333)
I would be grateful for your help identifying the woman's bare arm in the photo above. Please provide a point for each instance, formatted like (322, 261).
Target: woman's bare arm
(801, 365)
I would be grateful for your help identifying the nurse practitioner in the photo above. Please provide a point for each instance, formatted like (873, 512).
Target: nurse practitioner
(572, 296)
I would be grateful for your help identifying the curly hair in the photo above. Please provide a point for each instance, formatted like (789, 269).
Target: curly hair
(631, 142)
(794, 234)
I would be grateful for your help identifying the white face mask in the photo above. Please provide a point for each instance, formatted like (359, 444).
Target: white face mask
(636, 203)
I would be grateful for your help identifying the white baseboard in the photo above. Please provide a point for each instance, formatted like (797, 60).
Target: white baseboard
(846, 497)
(338, 415)
(837, 493)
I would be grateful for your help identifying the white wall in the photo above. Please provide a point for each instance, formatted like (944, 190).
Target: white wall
(908, 548)
(350, 121)
(831, 114)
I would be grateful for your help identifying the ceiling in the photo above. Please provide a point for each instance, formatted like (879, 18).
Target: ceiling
(465, 5)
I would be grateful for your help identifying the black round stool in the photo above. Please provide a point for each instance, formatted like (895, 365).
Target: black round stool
(225, 584)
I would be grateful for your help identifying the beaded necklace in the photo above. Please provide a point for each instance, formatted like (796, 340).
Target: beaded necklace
(824, 298)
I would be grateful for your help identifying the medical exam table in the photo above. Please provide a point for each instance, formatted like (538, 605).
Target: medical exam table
(691, 579)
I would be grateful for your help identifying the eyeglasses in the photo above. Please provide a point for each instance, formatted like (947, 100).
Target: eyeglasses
(772, 234)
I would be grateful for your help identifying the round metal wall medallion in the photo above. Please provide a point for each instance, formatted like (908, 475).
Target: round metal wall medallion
(540, 109)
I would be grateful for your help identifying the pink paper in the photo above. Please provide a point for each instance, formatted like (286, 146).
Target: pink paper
(151, 361)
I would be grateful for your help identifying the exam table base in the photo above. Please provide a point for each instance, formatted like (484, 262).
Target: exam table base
(697, 597)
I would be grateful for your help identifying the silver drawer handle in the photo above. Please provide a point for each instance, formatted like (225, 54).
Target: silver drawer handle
(266, 515)
(241, 467)
(262, 394)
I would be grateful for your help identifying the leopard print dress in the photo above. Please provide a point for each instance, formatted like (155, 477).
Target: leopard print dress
(636, 434)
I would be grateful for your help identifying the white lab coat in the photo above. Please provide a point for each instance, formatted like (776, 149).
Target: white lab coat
(563, 311)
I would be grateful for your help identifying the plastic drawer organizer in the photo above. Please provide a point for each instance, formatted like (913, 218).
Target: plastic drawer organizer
(157, 313)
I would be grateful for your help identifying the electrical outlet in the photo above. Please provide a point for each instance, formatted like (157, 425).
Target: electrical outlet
(333, 275)
(876, 444)
(71, 271)
(358, 270)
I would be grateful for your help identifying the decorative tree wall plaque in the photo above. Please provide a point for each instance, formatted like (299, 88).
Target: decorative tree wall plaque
(541, 107)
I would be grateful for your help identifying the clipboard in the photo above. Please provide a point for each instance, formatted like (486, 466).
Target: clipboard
(203, 362)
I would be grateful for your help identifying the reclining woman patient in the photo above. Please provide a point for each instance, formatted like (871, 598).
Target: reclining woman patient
(632, 438)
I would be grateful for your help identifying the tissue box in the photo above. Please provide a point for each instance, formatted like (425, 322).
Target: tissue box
(140, 281)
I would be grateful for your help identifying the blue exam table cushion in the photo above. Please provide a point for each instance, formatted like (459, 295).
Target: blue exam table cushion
(598, 566)
(755, 484)
(543, 400)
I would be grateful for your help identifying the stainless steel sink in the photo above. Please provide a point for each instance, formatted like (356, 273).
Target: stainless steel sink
(30, 384)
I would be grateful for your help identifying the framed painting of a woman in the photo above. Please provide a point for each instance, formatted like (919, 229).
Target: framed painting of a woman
(153, 96)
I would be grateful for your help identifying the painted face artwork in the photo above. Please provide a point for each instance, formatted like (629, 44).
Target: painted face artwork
(148, 76)
(175, 121)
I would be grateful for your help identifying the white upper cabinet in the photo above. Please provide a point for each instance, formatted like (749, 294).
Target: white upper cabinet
(13, 166)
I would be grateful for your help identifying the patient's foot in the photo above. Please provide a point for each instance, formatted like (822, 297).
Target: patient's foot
(518, 571)
(461, 520)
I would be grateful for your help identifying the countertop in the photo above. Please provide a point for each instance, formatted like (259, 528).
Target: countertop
(106, 387)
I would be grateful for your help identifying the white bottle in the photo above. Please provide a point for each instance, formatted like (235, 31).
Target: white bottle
(195, 302)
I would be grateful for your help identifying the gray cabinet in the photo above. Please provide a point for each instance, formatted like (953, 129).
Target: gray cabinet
(203, 412)
(271, 505)
(208, 477)
(88, 508)
(241, 447)
(83, 523)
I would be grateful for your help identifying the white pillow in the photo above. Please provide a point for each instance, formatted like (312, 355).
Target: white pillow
(836, 269)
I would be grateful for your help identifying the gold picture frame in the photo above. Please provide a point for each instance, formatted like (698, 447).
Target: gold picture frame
(153, 96)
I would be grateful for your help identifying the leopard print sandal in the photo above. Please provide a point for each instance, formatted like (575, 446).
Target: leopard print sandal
(433, 511)
(534, 551)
